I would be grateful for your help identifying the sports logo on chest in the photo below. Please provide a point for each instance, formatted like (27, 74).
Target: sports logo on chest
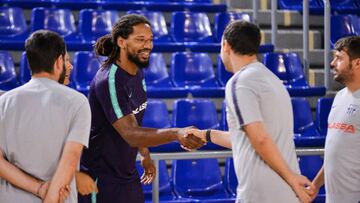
(352, 109)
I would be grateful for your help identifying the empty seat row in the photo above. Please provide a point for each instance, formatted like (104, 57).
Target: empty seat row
(161, 5)
(189, 30)
(202, 114)
(201, 180)
(189, 73)
(317, 6)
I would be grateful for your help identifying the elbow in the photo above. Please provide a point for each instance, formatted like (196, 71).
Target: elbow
(260, 141)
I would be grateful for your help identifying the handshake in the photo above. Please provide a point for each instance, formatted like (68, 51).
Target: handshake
(191, 138)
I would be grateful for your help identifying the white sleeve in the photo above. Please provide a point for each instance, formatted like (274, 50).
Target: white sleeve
(246, 105)
(79, 130)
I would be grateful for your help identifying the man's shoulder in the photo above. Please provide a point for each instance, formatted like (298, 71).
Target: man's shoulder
(70, 94)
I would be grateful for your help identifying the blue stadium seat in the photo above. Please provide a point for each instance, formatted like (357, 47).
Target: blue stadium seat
(306, 134)
(222, 73)
(157, 116)
(223, 121)
(26, 3)
(165, 192)
(223, 19)
(184, 5)
(200, 113)
(194, 71)
(346, 6)
(8, 78)
(315, 6)
(61, 21)
(157, 80)
(288, 67)
(309, 167)
(230, 179)
(343, 26)
(322, 113)
(194, 30)
(199, 179)
(86, 64)
(13, 29)
(76, 4)
(24, 72)
(96, 23)
(158, 24)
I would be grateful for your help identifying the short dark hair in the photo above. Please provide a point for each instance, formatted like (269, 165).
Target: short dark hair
(351, 45)
(42, 48)
(107, 45)
(243, 37)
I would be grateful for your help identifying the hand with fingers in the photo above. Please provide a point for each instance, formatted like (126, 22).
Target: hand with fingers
(303, 188)
(198, 133)
(149, 170)
(64, 193)
(189, 141)
(85, 184)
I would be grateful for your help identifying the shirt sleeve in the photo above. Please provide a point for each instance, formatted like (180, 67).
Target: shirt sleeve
(113, 97)
(246, 105)
(80, 124)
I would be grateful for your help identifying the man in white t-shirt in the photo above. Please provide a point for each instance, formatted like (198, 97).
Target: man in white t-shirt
(260, 120)
(341, 169)
(44, 127)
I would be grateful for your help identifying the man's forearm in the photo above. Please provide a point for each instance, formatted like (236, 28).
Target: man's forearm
(65, 171)
(18, 178)
(144, 152)
(319, 178)
(221, 138)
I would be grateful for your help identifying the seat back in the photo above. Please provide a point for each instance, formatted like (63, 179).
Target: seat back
(8, 78)
(343, 26)
(200, 113)
(24, 72)
(156, 72)
(303, 119)
(223, 19)
(164, 180)
(322, 113)
(294, 69)
(58, 20)
(230, 179)
(222, 74)
(276, 63)
(158, 23)
(96, 23)
(190, 27)
(188, 68)
(86, 64)
(194, 178)
(223, 121)
(156, 115)
(12, 22)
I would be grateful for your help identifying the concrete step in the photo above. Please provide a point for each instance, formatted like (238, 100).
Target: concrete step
(293, 39)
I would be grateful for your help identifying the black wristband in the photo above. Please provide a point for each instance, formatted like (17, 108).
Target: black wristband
(207, 135)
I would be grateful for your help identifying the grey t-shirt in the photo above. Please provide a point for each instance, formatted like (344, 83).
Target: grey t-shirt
(342, 149)
(36, 120)
(256, 94)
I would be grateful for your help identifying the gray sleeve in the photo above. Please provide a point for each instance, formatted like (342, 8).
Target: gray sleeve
(79, 130)
(246, 105)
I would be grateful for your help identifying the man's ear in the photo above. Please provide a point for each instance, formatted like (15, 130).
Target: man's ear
(226, 47)
(121, 42)
(58, 65)
(356, 63)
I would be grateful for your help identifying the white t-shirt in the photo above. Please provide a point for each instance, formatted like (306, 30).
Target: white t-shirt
(256, 94)
(342, 149)
(36, 120)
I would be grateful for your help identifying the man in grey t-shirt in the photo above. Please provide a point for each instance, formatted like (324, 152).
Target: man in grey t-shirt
(44, 126)
(341, 170)
(260, 118)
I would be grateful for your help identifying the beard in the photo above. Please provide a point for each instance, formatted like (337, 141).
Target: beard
(344, 77)
(137, 61)
(62, 75)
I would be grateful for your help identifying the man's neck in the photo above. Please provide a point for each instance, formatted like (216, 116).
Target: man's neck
(353, 86)
(127, 65)
(240, 61)
(45, 75)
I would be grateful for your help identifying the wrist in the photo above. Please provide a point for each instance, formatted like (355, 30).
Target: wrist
(40, 185)
(208, 135)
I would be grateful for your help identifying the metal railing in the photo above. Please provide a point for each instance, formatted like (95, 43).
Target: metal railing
(156, 157)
